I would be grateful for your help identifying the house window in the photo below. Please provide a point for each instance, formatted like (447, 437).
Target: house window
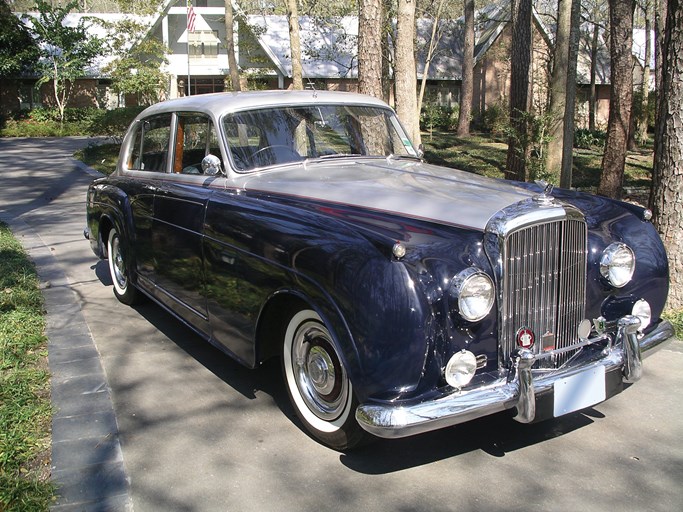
(203, 44)
(29, 97)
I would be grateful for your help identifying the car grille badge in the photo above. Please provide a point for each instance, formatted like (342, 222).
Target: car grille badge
(525, 337)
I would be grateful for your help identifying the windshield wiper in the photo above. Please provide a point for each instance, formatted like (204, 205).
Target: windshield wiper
(404, 157)
(339, 155)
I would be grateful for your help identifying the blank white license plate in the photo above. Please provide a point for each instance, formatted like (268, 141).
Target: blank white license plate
(579, 391)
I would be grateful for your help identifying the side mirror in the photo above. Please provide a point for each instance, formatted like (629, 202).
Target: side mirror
(421, 151)
(211, 165)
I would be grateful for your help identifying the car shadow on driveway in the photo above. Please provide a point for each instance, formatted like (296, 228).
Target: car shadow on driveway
(495, 435)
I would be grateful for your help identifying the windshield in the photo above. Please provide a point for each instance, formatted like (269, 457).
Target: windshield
(260, 138)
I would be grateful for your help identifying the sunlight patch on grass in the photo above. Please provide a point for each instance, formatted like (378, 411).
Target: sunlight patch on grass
(25, 408)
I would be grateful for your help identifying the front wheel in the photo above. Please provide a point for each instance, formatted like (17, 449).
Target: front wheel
(119, 270)
(318, 384)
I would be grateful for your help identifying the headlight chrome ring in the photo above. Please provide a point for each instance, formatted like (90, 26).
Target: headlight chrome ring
(475, 293)
(617, 264)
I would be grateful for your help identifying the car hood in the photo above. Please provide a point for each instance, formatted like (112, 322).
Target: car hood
(403, 187)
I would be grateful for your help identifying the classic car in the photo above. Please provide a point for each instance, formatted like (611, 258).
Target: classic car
(402, 297)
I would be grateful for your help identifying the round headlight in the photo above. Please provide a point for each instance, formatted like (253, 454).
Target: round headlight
(460, 369)
(617, 264)
(474, 292)
(642, 310)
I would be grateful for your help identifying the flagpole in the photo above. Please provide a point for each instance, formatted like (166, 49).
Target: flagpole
(190, 26)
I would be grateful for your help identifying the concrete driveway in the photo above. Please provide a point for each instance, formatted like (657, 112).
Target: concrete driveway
(197, 432)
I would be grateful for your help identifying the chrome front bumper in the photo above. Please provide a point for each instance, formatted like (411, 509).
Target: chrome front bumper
(518, 390)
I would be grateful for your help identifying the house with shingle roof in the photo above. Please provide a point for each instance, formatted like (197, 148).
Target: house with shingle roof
(198, 60)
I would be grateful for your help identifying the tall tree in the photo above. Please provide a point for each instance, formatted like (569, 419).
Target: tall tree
(594, 14)
(467, 84)
(18, 50)
(136, 69)
(666, 198)
(621, 97)
(370, 47)
(593, 100)
(660, 21)
(520, 57)
(65, 51)
(558, 90)
(230, 46)
(295, 44)
(568, 148)
(405, 73)
(388, 14)
(434, 38)
(643, 110)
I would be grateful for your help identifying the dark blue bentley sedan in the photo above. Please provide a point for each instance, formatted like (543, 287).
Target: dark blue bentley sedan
(402, 297)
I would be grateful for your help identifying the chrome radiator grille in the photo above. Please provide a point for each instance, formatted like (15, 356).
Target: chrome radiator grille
(544, 286)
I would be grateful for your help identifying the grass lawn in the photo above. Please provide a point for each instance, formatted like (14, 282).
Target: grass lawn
(482, 154)
(25, 409)
(101, 157)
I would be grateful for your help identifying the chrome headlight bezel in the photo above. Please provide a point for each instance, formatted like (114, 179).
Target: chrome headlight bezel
(474, 293)
(460, 369)
(617, 264)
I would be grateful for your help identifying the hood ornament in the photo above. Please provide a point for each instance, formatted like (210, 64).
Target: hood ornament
(544, 198)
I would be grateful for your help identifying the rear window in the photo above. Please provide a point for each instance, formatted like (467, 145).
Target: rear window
(150, 147)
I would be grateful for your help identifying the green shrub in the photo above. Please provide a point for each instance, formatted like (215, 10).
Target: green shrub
(114, 123)
(436, 117)
(44, 122)
(587, 139)
(495, 119)
(71, 115)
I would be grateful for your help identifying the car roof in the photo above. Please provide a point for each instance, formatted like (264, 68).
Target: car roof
(224, 102)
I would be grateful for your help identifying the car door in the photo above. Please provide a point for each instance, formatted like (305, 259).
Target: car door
(179, 209)
(146, 166)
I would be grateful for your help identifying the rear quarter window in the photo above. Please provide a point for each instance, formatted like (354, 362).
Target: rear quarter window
(151, 144)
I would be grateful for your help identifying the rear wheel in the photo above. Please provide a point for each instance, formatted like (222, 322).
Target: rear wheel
(318, 384)
(120, 271)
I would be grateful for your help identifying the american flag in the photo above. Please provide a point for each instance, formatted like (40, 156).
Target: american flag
(190, 17)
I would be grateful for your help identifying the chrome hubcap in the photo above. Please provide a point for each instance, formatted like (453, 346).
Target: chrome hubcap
(321, 370)
(119, 266)
(320, 377)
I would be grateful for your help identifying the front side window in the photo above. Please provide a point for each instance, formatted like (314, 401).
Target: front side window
(150, 146)
(259, 138)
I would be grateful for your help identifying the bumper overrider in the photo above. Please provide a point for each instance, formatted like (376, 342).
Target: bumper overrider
(564, 390)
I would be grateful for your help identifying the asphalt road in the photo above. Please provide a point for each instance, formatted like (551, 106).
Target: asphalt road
(200, 433)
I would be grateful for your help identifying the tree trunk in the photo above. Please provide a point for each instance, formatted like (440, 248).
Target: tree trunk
(370, 47)
(660, 20)
(295, 43)
(568, 148)
(592, 102)
(387, 71)
(230, 47)
(433, 42)
(406, 75)
(558, 91)
(642, 122)
(467, 84)
(520, 56)
(667, 178)
(621, 97)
